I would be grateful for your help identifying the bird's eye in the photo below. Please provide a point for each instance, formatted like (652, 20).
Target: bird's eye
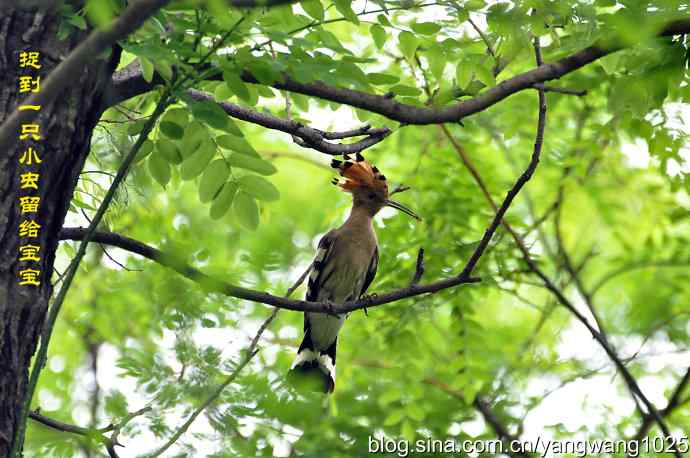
(372, 195)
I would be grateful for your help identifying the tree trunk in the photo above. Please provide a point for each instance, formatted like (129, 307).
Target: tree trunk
(66, 126)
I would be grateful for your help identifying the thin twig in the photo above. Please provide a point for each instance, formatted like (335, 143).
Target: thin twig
(98, 433)
(419, 267)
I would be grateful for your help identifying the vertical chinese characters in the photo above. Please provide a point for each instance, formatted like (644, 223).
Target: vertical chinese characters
(29, 160)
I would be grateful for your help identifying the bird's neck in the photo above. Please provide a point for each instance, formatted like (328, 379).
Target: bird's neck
(359, 217)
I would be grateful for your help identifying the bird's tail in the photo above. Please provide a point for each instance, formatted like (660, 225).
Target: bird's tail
(313, 369)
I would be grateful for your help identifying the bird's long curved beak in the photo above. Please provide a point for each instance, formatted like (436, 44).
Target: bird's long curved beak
(402, 208)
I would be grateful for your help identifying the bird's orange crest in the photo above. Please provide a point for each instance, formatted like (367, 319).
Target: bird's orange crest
(359, 173)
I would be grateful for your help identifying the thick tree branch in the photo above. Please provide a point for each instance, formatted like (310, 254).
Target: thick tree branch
(303, 135)
(129, 82)
(370, 301)
(213, 284)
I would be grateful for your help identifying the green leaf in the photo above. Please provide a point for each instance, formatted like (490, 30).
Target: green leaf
(379, 35)
(405, 91)
(263, 71)
(236, 85)
(414, 411)
(426, 28)
(259, 187)
(179, 116)
(463, 74)
(135, 127)
(314, 8)
(237, 144)
(210, 113)
(394, 417)
(344, 7)
(485, 75)
(246, 210)
(408, 44)
(145, 149)
(159, 169)
(253, 163)
(99, 12)
(223, 200)
(213, 179)
(194, 136)
(164, 68)
(207, 323)
(408, 431)
(231, 127)
(382, 78)
(437, 62)
(171, 130)
(77, 21)
(169, 151)
(383, 20)
(146, 69)
(197, 162)
(610, 63)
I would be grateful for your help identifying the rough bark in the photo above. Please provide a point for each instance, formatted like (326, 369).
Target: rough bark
(66, 127)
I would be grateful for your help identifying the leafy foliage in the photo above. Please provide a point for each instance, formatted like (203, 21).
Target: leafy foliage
(611, 195)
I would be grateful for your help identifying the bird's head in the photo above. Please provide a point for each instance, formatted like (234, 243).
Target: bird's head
(367, 185)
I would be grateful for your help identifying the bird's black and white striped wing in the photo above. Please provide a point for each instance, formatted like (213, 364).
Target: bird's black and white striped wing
(316, 277)
(371, 271)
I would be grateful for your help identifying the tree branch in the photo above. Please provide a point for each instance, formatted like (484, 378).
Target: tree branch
(630, 381)
(370, 301)
(212, 284)
(129, 82)
(304, 136)
(673, 403)
(108, 442)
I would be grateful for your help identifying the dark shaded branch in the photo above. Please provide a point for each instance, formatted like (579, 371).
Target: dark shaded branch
(303, 135)
(212, 284)
(108, 442)
(364, 130)
(129, 82)
(521, 181)
(61, 426)
(501, 431)
(673, 403)
(419, 267)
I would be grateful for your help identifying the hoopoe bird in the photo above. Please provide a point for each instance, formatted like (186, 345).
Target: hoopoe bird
(344, 267)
